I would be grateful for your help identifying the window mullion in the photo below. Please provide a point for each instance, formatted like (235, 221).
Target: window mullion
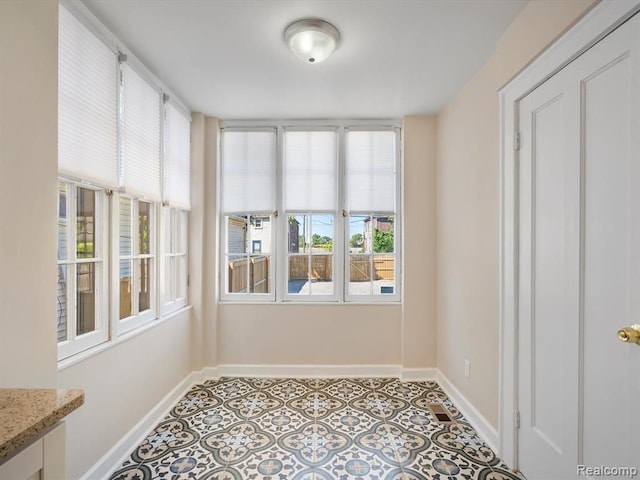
(90, 260)
(101, 258)
(158, 256)
(371, 263)
(72, 294)
(398, 217)
(281, 247)
(135, 245)
(341, 251)
(72, 308)
(154, 289)
(68, 262)
(248, 257)
(113, 201)
(164, 220)
(309, 260)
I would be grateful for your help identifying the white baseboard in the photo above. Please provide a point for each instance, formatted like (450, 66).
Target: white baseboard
(209, 373)
(322, 371)
(486, 431)
(418, 374)
(114, 457)
(307, 371)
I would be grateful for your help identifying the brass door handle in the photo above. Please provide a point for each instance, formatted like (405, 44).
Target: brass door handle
(630, 334)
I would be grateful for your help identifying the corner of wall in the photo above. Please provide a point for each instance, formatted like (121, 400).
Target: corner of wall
(203, 235)
(197, 218)
(419, 238)
(210, 334)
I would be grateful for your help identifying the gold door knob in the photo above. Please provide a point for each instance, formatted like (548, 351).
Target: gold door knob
(630, 334)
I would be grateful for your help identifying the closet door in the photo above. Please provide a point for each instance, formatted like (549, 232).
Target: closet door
(579, 281)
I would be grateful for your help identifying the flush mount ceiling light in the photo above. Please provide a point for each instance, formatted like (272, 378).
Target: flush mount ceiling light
(312, 40)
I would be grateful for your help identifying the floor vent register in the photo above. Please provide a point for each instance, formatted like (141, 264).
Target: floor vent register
(440, 412)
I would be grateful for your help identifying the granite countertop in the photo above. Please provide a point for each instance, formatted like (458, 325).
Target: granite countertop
(25, 413)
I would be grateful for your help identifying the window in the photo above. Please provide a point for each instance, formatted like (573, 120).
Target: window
(248, 200)
(177, 202)
(136, 264)
(123, 192)
(248, 268)
(370, 170)
(82, 273)
(310, 165)
(310, 263)
(174, 285)
(371, 255)
(332, 193)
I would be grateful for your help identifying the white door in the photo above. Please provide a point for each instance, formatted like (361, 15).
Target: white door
(579, 264)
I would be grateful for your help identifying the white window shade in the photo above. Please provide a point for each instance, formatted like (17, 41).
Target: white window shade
(310, 160)
(87, 104)
(140, 160)
(371, 171)
(176, 166)
(248, 173)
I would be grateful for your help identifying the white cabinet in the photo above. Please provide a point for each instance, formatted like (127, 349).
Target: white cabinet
(44, 459)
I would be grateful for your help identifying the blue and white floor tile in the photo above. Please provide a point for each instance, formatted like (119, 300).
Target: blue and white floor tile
(312, 429)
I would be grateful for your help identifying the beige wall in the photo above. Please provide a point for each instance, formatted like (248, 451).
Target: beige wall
(400, 335)
(209, 279)
(468, 205)
(196, 239)
(28, 207)
(121, 385)
(419, 306)
(202, 223)
(539, 24)
(308, 335)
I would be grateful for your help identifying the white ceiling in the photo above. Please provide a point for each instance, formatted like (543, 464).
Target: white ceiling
(227, 58)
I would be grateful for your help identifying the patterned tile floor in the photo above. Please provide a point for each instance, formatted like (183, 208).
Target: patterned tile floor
(316, 429)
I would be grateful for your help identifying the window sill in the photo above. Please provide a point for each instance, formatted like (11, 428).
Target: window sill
(334, 303)
(93, 351)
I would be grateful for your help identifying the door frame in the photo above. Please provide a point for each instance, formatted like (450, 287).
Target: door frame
(593, 27)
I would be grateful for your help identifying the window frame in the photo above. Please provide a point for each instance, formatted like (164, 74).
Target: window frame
(166, 226)
(335, 262)
(396, 296)
(341, 252)
(284, 295)
(224, 294)
(137, 319)
(380, 297)
(224, 276)
(74, 343)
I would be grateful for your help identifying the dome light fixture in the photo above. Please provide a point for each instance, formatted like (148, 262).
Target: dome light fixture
(312, 40)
